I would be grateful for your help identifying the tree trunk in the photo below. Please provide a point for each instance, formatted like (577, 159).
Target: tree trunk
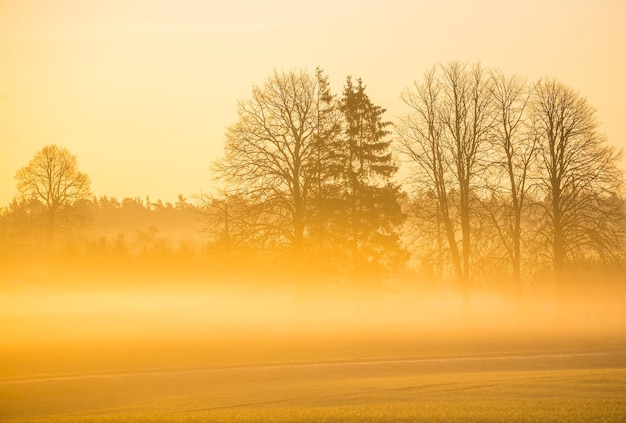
(50, 229)
(465, 230)
(558, 243)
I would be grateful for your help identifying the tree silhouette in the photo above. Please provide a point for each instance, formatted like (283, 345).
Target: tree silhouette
(270, 157)
(515, 148)
(370, 201)
(446, 139)
(52, 177)
(578, 177)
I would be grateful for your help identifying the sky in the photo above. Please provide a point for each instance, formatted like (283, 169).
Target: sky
(142, 91)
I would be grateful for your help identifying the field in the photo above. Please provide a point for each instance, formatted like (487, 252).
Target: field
(145, 363)
(400, 377)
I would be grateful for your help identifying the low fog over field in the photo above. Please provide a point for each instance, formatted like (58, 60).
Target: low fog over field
(176, 309)
(181, 350)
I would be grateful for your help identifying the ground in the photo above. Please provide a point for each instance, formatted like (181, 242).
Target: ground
(463, 375)
(182, 353)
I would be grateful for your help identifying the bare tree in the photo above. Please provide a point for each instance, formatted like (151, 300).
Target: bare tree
(446, 139)
(422, 143)
(579, 178)
(52, 177)
(514, 157)
(270, 156)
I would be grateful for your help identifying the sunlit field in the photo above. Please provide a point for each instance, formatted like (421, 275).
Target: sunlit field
(346, 392)
(194, 353)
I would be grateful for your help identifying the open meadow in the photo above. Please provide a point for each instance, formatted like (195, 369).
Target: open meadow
(205, 358)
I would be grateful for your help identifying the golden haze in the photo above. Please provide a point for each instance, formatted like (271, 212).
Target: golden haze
(143, 93)
(123, 308)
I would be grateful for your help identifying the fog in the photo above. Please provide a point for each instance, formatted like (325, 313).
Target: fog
(132, 341)
(57, 310)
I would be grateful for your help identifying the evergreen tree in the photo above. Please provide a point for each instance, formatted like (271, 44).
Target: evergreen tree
(370, 202)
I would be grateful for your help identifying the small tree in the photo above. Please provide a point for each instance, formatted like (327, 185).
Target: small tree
(52, 178)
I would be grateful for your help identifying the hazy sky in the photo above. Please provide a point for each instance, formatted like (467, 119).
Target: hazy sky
(142, 91)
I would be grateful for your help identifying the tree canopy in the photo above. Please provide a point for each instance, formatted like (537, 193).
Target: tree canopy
(52, 178)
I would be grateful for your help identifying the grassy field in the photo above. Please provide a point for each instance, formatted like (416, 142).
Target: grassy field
(392, 377)
(501, 396)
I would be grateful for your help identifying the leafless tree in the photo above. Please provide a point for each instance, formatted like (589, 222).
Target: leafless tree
(422, 144)
(514, 157)
(579, 178)
(52, 177)
(270, 156)
(446, 140)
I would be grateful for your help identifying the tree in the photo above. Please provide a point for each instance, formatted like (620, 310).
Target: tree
(52, 177)
(514, 156)
(446, 138)
(370, 201)
(578, 177)
(329, 159)
(270, 156)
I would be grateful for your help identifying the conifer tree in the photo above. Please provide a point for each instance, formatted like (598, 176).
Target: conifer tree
(370, 210)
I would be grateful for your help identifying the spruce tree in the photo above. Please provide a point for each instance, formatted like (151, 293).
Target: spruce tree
(370, 202)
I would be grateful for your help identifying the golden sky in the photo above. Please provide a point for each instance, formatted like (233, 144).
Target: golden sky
(142, 91)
